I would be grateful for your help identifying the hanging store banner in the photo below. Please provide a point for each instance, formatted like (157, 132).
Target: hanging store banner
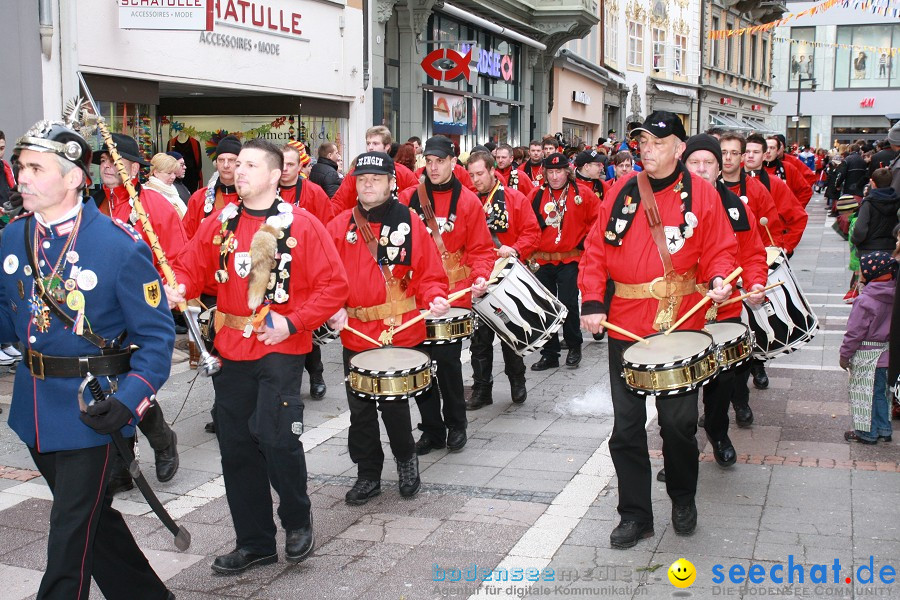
(171, 15)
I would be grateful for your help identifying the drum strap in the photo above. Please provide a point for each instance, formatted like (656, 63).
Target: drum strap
(669, 303)
(455, 271)
(397, 303)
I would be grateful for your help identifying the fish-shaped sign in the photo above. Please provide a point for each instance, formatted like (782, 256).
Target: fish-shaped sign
(460, 67)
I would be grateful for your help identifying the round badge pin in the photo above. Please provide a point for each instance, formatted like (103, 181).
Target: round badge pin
(397, 238)
(86, 280)
(10, 264)
(75, 300)
(403, 228)
(72, 257)
(690, 218)
(291, 242)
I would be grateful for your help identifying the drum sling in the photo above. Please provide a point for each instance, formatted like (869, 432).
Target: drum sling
(455, 271)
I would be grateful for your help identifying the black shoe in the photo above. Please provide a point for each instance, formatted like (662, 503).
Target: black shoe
(724, 452)
(362, 491)
(210, 427)
(408, 474)
(456, 439)
(886, 438)
(481, 396)
(628, 533)
(599, 336)
(684, 518)
(426, 444)
(760, 379)
(317, 387)
(299, 543)
(701, 422)
(851, 436)
(573, 358)
(743, 415)
(120, 484)
(167, 460)
(545, 363)
(661, 475)
(563, 344)
(517, 389)
(238, 561)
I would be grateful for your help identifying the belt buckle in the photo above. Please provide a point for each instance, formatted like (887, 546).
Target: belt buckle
(653, 292)
(37, 373)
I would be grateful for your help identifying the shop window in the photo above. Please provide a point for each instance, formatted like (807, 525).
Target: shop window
(863, 58)
(802, 56)
(659, 49)
(136, 120)
(611, 35)
(635, 44)
(576, 133)
(797, 132)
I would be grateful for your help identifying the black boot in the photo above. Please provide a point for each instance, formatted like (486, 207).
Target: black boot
(167, 460)
(743, 415)
(760, 379)
(299, 543)
(545, 363)
(408, 475)
(317, 386)
(481, 396)
(517, 389)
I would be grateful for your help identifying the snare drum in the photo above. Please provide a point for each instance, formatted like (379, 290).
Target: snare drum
(671, 364)
(520, 310)
(457, 325)
(389, 374)
(324, 334)
(734, 343)
(784, 322)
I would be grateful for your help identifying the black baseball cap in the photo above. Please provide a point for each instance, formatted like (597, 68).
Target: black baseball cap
(589, 156)
(374, 163)
(557, 160)
(127, 147)
(439, 146)
(661, 124)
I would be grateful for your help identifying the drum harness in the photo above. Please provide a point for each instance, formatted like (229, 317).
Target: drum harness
(455, 271)
(677, 285)
(398, 304)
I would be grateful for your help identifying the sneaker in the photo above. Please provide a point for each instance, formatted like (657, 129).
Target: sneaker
(363, 491)
(6, 360)
(12, 352)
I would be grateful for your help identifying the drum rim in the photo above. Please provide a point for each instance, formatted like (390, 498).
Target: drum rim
(745, 333)
(670, 364)
(460, 318)
(402, 372)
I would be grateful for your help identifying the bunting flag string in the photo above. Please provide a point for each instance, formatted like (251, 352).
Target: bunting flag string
(721, 34)
(858, 47)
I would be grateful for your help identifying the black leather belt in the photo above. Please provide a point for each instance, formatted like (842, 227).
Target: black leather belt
(43, 365)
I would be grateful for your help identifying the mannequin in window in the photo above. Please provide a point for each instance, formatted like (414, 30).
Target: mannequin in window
(189, 148)
(859, 66)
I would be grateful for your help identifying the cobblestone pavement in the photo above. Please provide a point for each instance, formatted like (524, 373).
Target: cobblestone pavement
(533, 489)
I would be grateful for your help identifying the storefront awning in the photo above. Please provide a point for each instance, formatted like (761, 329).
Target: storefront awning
(728, 122)
(678, 91)
(756, 126)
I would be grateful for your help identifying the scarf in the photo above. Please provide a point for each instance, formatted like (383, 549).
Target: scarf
(494, 204)
(395, 234)
(734, 207)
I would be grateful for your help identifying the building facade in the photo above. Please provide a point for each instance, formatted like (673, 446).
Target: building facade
(736, 73)
(513, 45)
(271, 69)
(848, 79)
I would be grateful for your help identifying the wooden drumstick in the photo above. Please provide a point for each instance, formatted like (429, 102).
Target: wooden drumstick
(624, 332)
(700, 304)
(451, 298)
(363, 336)
(765, 223)
(748, 294)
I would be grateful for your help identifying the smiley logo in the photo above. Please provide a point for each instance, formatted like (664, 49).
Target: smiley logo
(682, 573)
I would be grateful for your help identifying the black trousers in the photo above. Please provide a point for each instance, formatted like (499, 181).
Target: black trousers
(628, 443)
(482, 350)
(364, 439)
(259, 419)
(741, 393)
(447, 409)
(89, 538)
(314, 365)
(562, 280)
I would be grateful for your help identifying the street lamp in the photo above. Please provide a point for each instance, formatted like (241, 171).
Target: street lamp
(812, 88)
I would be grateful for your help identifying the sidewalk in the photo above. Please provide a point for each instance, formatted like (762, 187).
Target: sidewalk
(534, 488)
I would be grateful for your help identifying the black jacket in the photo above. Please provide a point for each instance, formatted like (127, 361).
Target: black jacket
(831, 176)
(854, 175)
(325, 174)
(876, 221)
(882, 158)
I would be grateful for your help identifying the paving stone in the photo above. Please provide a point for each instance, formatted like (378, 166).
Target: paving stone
(18, 582)
(499, 512)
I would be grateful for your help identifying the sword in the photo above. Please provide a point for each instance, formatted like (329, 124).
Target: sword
(182, 536)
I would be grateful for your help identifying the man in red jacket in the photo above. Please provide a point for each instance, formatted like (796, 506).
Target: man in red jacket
(456, 220)
(515, 233)
(378, 139)
(389, 282)
(565, 216)
(792, 213)
(808, 174)
(113, 200)
(280, 278)
(703, 157)
(300, 191)
(220, 190)
(516, 178)
(534, 166)
(787, 171)
(758, 198)
(699, 244)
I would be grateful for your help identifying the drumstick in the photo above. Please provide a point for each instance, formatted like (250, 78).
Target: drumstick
(451, 298)
(700, 304)
(363, 336)
(748, 294)
(624, 332)
(765, 223)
